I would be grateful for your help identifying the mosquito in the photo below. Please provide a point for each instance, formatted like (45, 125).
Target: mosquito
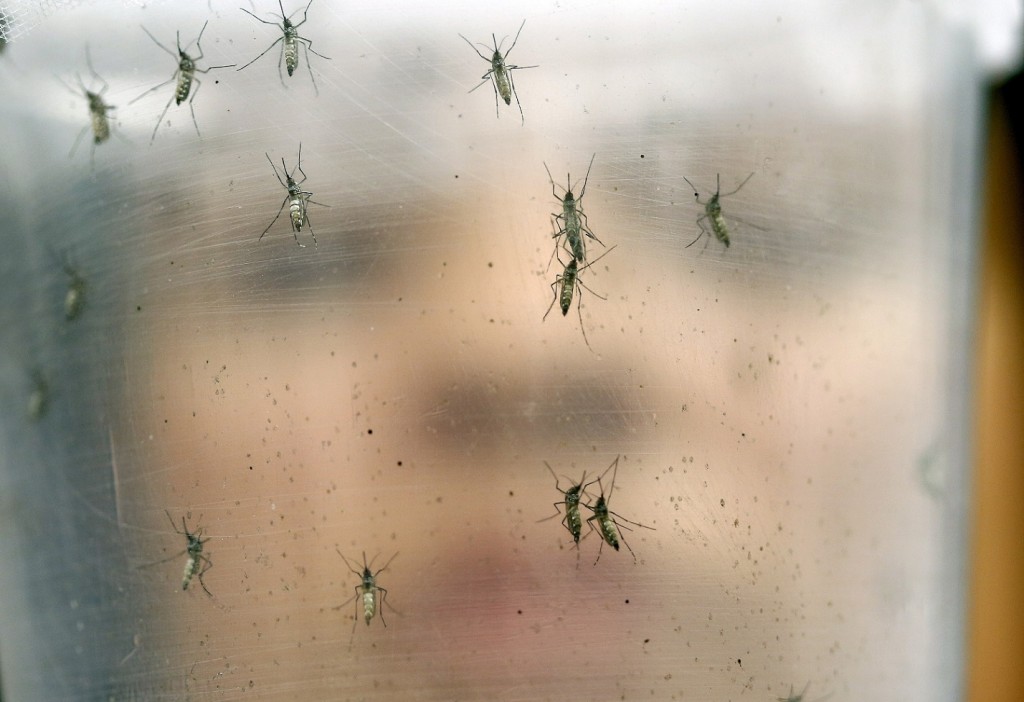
(565, 286)
(713, 211)
(500, 73)
(571, 520)
(297, 200)
(369, 591)
(197, 563)
(39, 397)
(573, 221)
(185, 75)
(98, 110)
(74, 298)
(290, 43)
(607, 527)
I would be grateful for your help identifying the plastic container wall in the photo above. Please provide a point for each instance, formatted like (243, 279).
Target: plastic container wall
(789, 413)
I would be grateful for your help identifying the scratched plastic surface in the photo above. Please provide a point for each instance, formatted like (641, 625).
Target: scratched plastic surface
(790, 412)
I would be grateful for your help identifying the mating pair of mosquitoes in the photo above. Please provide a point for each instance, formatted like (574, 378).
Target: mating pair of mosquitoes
(571, 228)
(572, 231)
(198, 563)
(609, 524)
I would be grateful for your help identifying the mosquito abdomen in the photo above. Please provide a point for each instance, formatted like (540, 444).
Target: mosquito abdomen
(608, 532)
(100, 127)
(575, 522)
(291, 53)
(369, 604)
(501, 78)
(98, 116)
(568, 287)
(719, 228)
(184, 86)
(297, 213)
(74, 299)
(190, 569)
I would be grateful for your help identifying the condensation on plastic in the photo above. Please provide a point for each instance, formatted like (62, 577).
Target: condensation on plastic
(791, 412)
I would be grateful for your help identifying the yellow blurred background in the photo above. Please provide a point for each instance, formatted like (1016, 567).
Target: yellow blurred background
(996, 613)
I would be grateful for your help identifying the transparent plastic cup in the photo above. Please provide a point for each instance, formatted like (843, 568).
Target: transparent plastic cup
(789, 413)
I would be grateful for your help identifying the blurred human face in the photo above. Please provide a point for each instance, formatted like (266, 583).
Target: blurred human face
(394, 391)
